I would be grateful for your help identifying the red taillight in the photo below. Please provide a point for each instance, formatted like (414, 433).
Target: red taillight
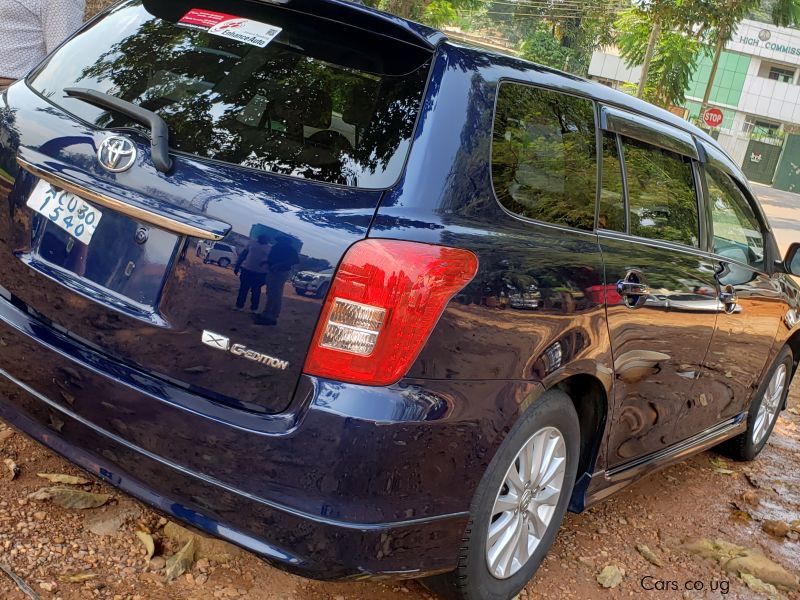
(383, 303)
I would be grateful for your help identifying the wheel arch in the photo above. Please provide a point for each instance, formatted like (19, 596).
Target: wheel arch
(590, 398)
(794, 343)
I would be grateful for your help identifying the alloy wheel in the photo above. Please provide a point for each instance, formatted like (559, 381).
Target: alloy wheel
(770, 404)
(526, 502)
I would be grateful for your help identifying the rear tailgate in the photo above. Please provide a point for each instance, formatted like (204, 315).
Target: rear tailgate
(286, 138)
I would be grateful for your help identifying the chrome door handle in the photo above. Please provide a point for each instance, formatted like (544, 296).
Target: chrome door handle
(633, 289)
(729, 299)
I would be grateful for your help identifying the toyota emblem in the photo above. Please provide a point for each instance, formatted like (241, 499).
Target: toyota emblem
(117, 154)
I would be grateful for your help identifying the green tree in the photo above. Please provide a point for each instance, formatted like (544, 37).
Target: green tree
(674, 16)
(564, 39)
(672, 63)
(432, 12)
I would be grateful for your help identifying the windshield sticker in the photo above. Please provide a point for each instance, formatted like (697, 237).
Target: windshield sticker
(232, 27)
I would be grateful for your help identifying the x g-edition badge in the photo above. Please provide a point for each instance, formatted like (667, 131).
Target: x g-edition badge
(220, 342)
(117, 154)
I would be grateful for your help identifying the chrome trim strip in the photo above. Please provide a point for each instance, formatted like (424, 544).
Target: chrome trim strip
(697, 443)
(135, 212)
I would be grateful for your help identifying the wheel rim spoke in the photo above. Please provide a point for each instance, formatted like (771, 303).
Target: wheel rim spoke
(538, 524)
(505, 548)
(770, 405)
(548, 497)
(505, 503)
(526, 502)
(500, 526)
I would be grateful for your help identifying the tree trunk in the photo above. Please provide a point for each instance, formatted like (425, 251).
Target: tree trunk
(648, 57)
(714, 66)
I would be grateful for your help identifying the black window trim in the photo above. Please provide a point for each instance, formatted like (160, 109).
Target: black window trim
(702, 238)
(591, 232)
(647, 130)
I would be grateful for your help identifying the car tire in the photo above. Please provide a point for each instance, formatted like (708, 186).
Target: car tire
(224, 262)
(474, 578)
(206, 261)
(300, 292)
(768, 402)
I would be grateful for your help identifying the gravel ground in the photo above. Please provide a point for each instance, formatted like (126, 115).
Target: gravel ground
(741, 503)
(72, 553)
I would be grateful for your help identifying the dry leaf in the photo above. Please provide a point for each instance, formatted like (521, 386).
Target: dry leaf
(795, 411)
(205, 547)
(610, 576)
(649, 555)
(147, 540)
(70, 498)
(61, 478)
(751, 498)
(13, 469)
(720, 466)
(741, 516)
(77, 577)
(181, 561)
(778, 529)
(760, 587)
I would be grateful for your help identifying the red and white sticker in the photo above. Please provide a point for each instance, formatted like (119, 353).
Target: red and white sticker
(231, 27)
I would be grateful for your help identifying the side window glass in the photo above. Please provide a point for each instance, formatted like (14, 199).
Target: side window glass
(544, 163)
(662, 199)
(612, 202)
(737, 231)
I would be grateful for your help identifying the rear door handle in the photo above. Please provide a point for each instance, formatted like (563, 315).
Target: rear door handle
(630, 288)
(633, 289)
(729, 299)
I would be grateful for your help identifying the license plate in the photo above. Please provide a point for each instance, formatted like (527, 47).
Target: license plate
(70, 212)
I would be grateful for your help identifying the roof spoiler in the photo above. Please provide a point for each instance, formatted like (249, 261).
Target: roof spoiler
(357, 15)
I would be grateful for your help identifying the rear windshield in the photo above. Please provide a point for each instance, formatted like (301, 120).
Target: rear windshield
(255, 86)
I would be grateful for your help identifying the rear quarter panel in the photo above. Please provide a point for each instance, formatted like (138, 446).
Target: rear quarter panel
(446, 197)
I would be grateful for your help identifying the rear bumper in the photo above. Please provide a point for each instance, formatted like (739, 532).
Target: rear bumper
(350, 482)
(307, 545)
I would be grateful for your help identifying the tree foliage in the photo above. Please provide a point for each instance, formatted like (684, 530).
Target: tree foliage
(674, 61)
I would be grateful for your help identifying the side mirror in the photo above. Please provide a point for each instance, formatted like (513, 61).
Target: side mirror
(791, 263)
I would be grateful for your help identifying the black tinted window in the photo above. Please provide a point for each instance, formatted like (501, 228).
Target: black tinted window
(319, 101)
(612, 201)
(661, 194)
(544, 162)
(737, 231)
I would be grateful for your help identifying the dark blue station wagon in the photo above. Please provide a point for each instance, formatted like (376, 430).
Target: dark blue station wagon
(527, 290)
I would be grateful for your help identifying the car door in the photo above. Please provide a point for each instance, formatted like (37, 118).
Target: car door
(661, 291)
(753, 307)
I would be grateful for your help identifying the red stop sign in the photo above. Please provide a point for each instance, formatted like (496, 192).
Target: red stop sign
(713, 117)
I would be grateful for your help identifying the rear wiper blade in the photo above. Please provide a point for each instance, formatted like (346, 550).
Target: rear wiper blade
(159, 132)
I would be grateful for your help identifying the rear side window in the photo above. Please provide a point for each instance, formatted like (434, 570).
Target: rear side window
(662, 198)
(737, 231)
(319, 101)
(544, 163)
